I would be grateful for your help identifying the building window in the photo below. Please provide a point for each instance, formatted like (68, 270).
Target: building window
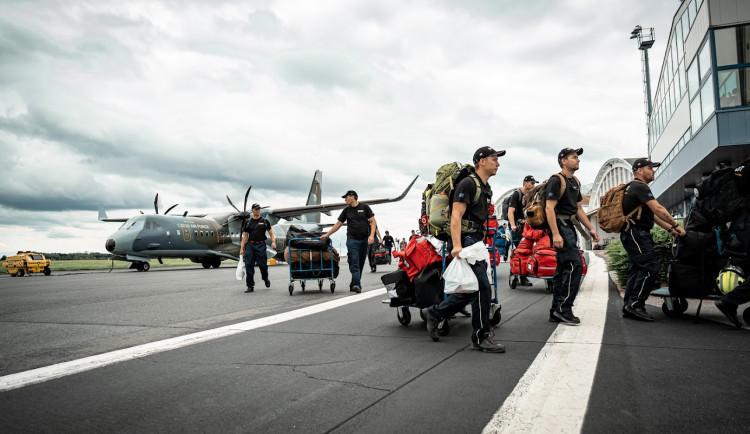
(733, 64)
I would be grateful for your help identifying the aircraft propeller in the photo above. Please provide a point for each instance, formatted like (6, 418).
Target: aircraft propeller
(243, 215)
(156, 205)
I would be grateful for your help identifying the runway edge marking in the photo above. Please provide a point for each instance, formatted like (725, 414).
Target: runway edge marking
(555, 390)
(46, 373)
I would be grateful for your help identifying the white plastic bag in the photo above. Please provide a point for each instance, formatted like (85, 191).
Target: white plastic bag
(475, 252)
(240, 273)
(459, 277)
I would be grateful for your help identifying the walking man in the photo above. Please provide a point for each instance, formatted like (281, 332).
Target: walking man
(515, 216)
(643, 265)
(470, 204)
(564, 211)
(254, 238)
(388, 242)
(360, 221)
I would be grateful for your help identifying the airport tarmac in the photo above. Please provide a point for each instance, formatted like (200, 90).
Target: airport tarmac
(322, 362)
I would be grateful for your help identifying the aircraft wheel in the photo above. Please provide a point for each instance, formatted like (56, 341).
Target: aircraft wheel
(403, 315)
(145, 266)
(206, 265)
(746, 315)
(444, 327)
(333, 286)
(21, 273)
(47, 271)
(291, 288)
(216, 263)
(513, 282)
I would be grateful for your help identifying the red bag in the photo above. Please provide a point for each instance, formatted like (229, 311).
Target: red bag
(495, 257)
(518, 265)
(525, 247)
(543, 243)
(544, 263)
(533, 234)
(417, 256)
(583, 260)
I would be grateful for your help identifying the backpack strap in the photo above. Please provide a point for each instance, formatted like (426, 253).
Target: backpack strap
(629, 221)
(563, 184)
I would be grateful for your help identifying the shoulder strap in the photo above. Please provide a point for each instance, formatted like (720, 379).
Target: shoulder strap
(563, 184)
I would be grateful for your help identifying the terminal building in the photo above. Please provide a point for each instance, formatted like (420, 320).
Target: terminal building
(701, 108)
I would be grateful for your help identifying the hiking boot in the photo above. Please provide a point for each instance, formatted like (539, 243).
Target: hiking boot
(488, 345)
(525, 281)
(356, 289)
(637, 313)
(552, 317)
(567, 317)
(268, 283)
(249, 289)
(730, 311)
(432, 324)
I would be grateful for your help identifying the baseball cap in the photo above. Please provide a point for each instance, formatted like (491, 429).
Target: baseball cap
(255, 206)
(530, 178)
(643, 162)
(350, 193)
(486, 151)
(567, 151)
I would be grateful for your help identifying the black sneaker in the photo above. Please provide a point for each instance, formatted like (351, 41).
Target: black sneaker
(432, 324)
(552, 317)
(637, 313)
(356, 289)
(567, 318)
(488, 345)
(249, 289)
(730, 311)
(268, 283)
(525, 281)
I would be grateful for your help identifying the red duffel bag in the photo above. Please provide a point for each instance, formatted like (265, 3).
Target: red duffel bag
(518, 265)
(525, 247)
(542, 263)
(533, 234)
(418, 255)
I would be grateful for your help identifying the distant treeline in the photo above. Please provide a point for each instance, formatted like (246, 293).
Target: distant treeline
(73, 256)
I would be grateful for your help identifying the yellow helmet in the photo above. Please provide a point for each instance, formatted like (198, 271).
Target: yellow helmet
(729, 277)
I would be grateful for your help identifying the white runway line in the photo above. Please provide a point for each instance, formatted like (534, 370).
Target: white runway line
(39, 375)
(553, 394)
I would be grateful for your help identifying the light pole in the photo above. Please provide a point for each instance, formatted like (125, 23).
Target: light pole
(645, 41)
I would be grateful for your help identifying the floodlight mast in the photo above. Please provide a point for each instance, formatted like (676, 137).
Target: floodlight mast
(645, 41)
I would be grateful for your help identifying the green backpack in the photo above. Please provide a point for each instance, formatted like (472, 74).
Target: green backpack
(438, 195)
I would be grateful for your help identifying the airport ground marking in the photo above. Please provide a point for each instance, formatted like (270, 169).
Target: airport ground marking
(554, 392)
(46, 373)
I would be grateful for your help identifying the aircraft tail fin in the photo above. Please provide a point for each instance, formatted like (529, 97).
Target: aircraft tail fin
(314, 197)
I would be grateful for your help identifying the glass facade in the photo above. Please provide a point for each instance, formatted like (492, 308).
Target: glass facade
(733, 65)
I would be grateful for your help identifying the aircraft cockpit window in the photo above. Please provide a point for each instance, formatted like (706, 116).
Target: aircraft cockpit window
(135, 225)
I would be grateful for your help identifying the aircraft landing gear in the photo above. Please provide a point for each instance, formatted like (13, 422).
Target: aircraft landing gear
(142, 266)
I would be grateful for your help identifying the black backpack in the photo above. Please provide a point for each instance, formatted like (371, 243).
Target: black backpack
(506, 205)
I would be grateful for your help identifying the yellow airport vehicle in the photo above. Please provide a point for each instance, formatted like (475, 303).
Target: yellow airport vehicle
(26, 263)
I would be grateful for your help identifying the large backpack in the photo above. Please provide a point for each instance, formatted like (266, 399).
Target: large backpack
(506, 205)
(610, 215)
(535, 202)
(437, 199)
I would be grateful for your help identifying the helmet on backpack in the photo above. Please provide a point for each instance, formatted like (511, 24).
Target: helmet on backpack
(729, 277)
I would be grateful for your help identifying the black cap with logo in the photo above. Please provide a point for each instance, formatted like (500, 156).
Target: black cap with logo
(350, 193)
(255, 206)
(486, 151)
(530, 178)
(567, 151)
(643, 162)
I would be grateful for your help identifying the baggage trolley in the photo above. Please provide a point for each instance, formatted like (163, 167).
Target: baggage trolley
(307, 266)
(403, 314)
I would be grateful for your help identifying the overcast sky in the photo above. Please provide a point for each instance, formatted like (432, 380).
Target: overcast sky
(106, 103)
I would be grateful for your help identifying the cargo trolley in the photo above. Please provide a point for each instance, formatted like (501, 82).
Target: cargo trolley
(307, 261)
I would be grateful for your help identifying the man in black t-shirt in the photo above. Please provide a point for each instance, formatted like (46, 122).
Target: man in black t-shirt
(564, 211)
(388, 242)
(516, 217)
(360, 222)
(643, 265)
(253, 247)
(470, 203)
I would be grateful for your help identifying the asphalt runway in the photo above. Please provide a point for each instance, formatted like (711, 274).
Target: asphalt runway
(352, 368)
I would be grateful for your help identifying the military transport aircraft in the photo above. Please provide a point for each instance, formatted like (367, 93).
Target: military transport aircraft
(210, 238)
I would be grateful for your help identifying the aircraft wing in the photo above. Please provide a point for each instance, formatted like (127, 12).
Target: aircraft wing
(103, 217)
(298, 211)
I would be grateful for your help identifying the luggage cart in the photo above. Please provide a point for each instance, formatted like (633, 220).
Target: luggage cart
(403, 314)
(307, 267)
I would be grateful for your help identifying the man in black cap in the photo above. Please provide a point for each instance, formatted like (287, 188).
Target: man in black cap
(254, 238)
(360, 232)
(565, 214)
(515, 215)
(470, 204)
(643, 265)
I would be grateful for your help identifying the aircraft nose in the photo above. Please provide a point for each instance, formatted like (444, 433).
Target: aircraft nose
(110, 245)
